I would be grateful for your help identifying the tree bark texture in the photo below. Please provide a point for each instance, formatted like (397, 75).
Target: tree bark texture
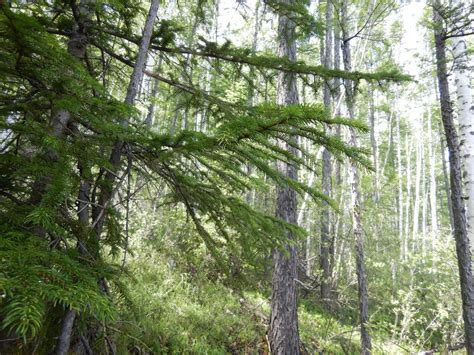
(64, 340)
(459, 217)
(283, 331)
(465, 109)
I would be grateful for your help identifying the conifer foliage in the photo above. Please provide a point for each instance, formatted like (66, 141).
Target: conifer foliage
(63, 194)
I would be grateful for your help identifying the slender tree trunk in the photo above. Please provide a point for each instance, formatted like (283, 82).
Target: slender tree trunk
(100, 212)
(77, 47)
(408, 148)
(251, 92)
(325, 230)
(390, 145)
(446, 179)
(186, 76)
(460, 226)
(154, 92)
(375, 160)
(416, 204)
(373, 142)
(400, 192)
(302, 213)
(300, 219)
(432, 162)
(326, 171)
(283, 331)
(366, 343)
(424, 199)
(465, 108)
(256, 30)
(339, 222)
(64, 340)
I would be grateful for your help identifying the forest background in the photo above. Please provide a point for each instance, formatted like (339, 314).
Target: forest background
(137, 203)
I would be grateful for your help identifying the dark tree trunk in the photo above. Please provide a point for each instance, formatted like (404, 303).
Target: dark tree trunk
(459, 217)
(446, 178)
(283, 332)
(366, 343)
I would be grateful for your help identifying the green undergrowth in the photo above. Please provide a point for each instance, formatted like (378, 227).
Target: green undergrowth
(176, 310)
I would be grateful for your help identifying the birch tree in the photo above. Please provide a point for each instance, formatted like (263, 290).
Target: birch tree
(459, 218)
(465, 111)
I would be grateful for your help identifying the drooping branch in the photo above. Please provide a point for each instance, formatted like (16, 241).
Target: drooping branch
(244, 56)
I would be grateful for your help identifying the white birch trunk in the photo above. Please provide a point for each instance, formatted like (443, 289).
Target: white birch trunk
(465, 110)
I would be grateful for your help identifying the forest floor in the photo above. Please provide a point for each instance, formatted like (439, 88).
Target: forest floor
(171, 309)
